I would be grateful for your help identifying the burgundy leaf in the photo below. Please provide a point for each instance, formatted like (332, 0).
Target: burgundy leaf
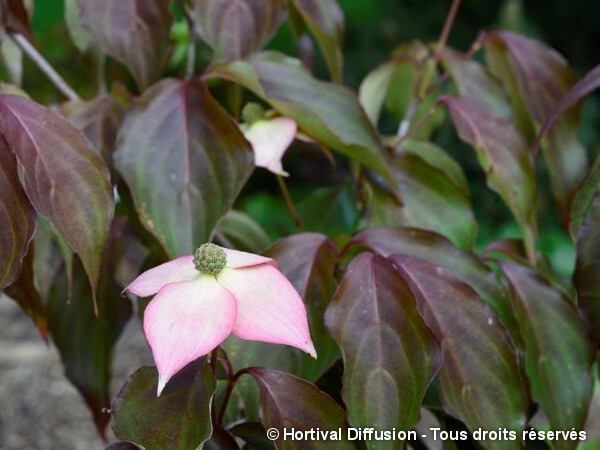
(135, 32)
(585, 229)
(25, 292)
(288, 402)
(537, 77)
(15, 18)
(85, 339)
(586, 85)
(475, 83)
(558, 357)
(308, 261)
(434, 248)
(184, 160)
(63, 176)
(503, 154)
(390, 356)
(17, 218)
(480, 378)
(100, 120)
(235, 29)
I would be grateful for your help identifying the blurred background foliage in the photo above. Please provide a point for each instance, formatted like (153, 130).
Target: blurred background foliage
(373, 29)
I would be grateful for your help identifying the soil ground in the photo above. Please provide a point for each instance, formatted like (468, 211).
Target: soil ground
(39, 408)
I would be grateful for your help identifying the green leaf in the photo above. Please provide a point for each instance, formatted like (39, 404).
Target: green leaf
(327, 112)
(373, 89)
(308, 261)
(585, 228)
(288, 402)
(17, 218)
(390, 356)
(474, 82)
(480, 379)
(79, 36)
(86, 341)
(134, 32)
(73, 190)
(325, 20)
(503, 155)
(537, 77)
(244, 232)
(430, 200)
(185, 162)
(236, 29)
(436, 249)
(177, 420)
(558, 356)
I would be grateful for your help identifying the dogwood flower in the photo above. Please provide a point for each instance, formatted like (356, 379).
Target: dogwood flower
(202, 298)
(270, 138)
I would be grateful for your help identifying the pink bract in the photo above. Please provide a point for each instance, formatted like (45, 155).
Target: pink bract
(193, 312)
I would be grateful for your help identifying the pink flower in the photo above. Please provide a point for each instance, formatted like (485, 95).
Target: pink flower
(202, 299)
(270, 138)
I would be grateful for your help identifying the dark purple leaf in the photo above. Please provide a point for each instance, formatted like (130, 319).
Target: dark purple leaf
(480, 379)
(503, 155)
(220, 440)
(586, 85)
(592, 423)
(236, 29)
(135, 32)
(583, 198)
(288, 402)
(430, 200)
(327, 112)
(537, 77)
(434, 248)
(178, 419)
(185, 162)
(15, 18)
(100, 120)
(17, 218)
(475, 83)
(253, 433)
(308, 261)
(85, 341)
(63, 176)
(325, 20)
(123, 446)
(558, 357)
(585, 228)
(390, 356)
(26, 294)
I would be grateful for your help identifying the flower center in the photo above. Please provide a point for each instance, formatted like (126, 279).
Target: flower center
(209, 258)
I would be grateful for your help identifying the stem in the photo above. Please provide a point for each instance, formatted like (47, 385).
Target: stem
(475, 47)
(439, 48)
(44, 66)
(404, 125)
(226, 398)
(417, 126)
(191, 50)
(289, 203)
